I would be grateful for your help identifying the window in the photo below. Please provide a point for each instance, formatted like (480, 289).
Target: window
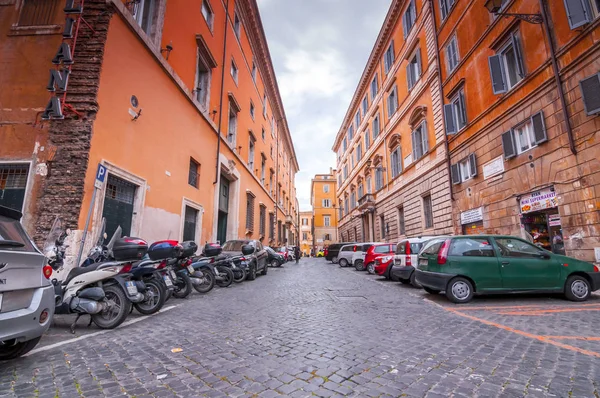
(271, 153)
(251, 146)
(234, 71)
(378, 178)
(471, 247)
(365, 106)
(368, 182)
(327, 221)
(376, 127)
(346, 206)
(452, 54)
(265, 109)
(396, 159)
(237, 25)
(272, 225)
(351, 160)
(262, 133)
(525, 136)
(207, 13)
(401, 224)
(367, 139)
(193, 174)
(455, 113)
(382, 249)
(345, 172)
(232, 124)
(420, 142)
(428, 211)
(339, 179)
(345, 144)
(249, 211)
(590, 92)
(203, 78)
(512, 247)
(341, 211)
(13, 183)
(409, 17)
(352, 200)
(143, 13)
(433, 246)
(263, 168)
(38, 12)
(388, 58)
(413, 70)
(326, 203)
(382, 225)
(464, 170)
(357, 119)
(445, 7)
(350, 133)
(507, 67)
(374, 88)
(359, 151)
(263, 220)
(305, 221)
(253, 72)
(326, 237)
(304, 235)
(392, 102)
(326, 188)
(190, 220)
(271, 188)
(579, 12)
(273, 126)
(361, 191)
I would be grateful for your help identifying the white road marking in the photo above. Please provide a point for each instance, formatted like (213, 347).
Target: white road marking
(101, 332)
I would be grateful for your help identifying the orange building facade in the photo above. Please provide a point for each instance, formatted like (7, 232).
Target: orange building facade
(178, 101)
(323, 200)
(392, 169)
(521, 105)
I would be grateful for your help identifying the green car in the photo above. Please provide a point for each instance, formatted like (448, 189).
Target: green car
(466, 265)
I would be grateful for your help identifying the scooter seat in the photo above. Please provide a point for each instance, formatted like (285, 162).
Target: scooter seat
(144, 263)
(75, 272)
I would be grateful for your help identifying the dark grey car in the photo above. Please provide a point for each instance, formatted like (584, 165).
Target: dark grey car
(256, 262)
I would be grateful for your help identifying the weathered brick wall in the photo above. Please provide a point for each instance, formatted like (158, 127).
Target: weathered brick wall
(62, 190)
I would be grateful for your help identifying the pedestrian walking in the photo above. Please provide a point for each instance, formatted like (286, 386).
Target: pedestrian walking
(297, 253)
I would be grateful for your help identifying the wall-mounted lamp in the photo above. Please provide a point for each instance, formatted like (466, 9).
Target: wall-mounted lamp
(495, 7)
(168, 48)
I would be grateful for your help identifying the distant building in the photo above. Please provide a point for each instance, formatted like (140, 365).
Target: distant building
(323, 200)
(306, 234)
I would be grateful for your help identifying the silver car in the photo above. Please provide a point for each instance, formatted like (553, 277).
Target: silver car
(26, 294)
(345, 255)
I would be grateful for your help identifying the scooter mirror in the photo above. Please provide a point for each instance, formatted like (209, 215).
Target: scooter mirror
(105, 235)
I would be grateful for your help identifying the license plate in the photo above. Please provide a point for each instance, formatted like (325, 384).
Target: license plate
(423, 261)
(173, 275)
(131, 288)
(190, 269)
(168, 281)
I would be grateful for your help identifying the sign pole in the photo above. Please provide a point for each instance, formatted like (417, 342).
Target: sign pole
(100, 175)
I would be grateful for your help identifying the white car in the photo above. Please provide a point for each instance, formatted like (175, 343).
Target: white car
(358, 258)
(344, 257)
(406, 258)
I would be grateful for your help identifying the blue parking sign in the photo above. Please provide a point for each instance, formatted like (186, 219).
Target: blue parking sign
(100, 176)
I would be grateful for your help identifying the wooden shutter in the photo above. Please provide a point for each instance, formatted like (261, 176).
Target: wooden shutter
(455, 171)
(472, 165)
(539, 128)
(414, 146)
(578, 12)
(590, 92)
(508, 145)
(419, 66)
(449, 119)
(404, 24)
(443, 9)
(463, 109)
(424, 137)
(519, 54)
(409, 80)
(497, 74)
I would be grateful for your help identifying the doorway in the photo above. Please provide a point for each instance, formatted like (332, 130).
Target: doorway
(118, 205)
(223, 210)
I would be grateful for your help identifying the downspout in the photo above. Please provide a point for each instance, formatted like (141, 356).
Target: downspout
(279, 232)
(441, 93)
(222, 92)
(557, 78)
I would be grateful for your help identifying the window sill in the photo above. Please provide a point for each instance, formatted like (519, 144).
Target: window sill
(35, 30)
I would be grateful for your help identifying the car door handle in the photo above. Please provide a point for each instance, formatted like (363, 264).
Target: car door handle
(505, 262)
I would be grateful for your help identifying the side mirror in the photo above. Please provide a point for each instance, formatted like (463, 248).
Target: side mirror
(545, 256)
(247, 250)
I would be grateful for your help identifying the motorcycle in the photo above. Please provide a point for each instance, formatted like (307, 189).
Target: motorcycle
(102, 289)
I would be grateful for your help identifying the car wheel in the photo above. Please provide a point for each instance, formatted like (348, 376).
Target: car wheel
(274, 263)
(359, 265)
(577, 288)
(404, 281)
(252, 273)
(371, 268)
(430, 291)
(413, 280)
(334, 260)
(12, 349)
(343, 262)
(265, 270)
(459, 290)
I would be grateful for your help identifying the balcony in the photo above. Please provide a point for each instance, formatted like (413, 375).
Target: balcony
(366, 202)
(289, 219)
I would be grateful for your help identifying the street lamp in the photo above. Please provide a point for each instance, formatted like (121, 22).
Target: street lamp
(495, 7)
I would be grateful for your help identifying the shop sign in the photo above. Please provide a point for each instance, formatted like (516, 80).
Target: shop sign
(493, 168)
(471, 216)
(540, 200)
(554, 220)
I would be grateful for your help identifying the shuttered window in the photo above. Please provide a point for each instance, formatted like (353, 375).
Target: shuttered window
(420, 141)
(392, 102)
(590, 92)
(413, 70)
(376, 127)
(38, 12)
(388, 58)
(464, 170)
(194, 173)
(525, 136)
(374, 88)
(507, 67)
(249, 211)
(396, 159)
(452, 54)
(378, 179)
(579, 12)
(263, 220)
(367, 140)
(409, 18)
(455, 114)
(445, 7)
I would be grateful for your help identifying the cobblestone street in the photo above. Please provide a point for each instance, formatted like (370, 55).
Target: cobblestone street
(316, 329)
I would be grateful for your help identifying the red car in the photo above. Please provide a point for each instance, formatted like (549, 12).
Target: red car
(375, 252)
(383, 266)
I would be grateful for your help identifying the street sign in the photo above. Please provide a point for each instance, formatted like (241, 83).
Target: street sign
(100, 176)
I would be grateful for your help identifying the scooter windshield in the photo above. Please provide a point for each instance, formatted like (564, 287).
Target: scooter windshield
(99, 235)
(55, 233)
(116, 235)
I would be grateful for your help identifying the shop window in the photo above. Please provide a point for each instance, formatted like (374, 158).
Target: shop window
(445, 7)
(194, 173)
(455, 113)
(464, 170)
(581, 12)
(13, 183)
(413, 69)
(525, 136)
(189, 224)
(396, 160)
(409, 18)
(392, 102)
(374, 88)
(388, 58)
(249, 211)
(471, 247)
(38, 12)
(452, 58)
(401, 223)
(262, 220)
(207, 13)
(376, 127)
(590, 92)
(420, 141)
(507, 66)
(428, 211)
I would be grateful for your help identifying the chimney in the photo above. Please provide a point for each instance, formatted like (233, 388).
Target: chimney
(331, 171)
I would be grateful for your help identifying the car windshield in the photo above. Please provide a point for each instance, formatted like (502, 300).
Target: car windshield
(235, 245)
(433, 246)
(13, 236)
(283, 249)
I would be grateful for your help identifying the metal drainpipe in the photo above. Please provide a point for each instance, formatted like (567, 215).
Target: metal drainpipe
(222, 92)
(277, 180)
(439, 79)
(557, 78)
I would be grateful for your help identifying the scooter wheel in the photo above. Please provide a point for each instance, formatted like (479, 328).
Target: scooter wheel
(227, 278)
(183, 286)
(156, 296)
(241, 275)
(209, 281)
(117, 310)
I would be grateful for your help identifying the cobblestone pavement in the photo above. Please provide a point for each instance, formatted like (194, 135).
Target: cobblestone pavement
(315, 329)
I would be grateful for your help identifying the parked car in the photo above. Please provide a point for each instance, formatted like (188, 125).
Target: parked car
(358, 258)
(26, 294)
(288, 253)
(346, 253)
(374, 252)
(382, 266)
(274, 259)
(406, 257)
(257, 260)
(334, 250)
(320, 253)
(463, 266)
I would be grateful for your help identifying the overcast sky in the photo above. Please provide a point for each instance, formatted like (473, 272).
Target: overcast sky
(319, 49)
